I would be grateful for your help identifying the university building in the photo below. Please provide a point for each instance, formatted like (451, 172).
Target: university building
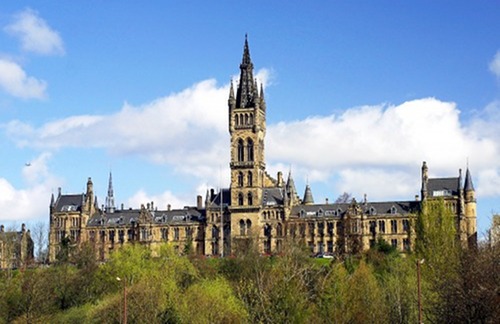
(257, 206)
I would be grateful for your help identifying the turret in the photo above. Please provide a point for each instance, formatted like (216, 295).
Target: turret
(308, 197)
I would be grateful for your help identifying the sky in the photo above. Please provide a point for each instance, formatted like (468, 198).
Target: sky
(358, 93)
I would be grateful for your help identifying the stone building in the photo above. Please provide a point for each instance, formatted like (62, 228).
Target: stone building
(16, 248)
(256, 206)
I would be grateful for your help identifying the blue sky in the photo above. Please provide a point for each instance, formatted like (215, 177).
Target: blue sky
(359, 93)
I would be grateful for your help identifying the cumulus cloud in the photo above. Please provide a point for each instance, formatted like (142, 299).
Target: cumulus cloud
(376, 150)
(495, 64)
(35, 34)
(31, 202)
(14, 81)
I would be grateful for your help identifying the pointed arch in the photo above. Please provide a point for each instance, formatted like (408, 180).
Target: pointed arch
(250, 199)
(240, 199)
(250, 179)
(240, 179)
(241, 150)
(249, 149)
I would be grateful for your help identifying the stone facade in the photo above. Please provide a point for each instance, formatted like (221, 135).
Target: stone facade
(256, 206)
(16, 248)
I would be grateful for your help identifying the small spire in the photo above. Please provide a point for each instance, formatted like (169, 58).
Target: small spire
(52, 200)
(308, 197)
(468, 186)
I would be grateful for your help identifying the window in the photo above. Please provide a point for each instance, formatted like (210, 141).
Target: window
(250, 199)
(249, 226)
(250, 150)
(394, 226)
(240, 179)
(406, 244)
(381, 226)
(373, 228)
(215, 232)
(329, 246)
(373, 211)
(250, 178)
(240, 199)
(279, 230)
(393, 210)
(176, 234)
(293, 230)
(394, 243)
(311, 229)
(267, 230)
(240, 150)
(189, 233)
(330, 228)
(242, 227)
(406, 225)
(164, 234)
(321, 229)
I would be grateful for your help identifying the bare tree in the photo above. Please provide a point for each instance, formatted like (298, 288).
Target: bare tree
(344, 198)
(40, 238)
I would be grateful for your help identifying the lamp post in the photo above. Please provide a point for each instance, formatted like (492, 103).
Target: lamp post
(124, 299)
(419, 262)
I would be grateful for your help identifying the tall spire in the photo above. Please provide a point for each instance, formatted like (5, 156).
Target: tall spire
(110, 199)
(245, 94)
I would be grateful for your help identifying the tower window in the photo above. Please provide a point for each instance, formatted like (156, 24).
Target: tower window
(240, 150)
(240, 179)
(250, 150)
(250, 199)
(249, 180)
(240, 199)
(242, 227)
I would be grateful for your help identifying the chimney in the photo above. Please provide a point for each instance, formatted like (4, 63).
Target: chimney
(23, 227)
(417, 198)
(326, 201)
(152, 205)
(199, 202)
(122, 206)
(212, 193)
(59, 192)
(168, 207)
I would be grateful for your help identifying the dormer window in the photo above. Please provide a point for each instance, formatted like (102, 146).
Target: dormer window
(373, 211)
(393, 210)
(302, 213)
(320, 212)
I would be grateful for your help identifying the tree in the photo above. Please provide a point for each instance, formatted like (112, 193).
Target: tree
(344, 198)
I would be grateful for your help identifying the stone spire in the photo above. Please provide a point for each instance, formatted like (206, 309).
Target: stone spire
(468, 186)
(245, 94)
(110, 199)
(308, 197)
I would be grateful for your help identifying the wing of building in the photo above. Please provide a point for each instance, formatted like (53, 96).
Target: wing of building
(256, 206)
(16, 248)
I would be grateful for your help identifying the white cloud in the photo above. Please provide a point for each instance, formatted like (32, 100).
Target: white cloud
(495, 64)
(35, 35)
(31, 202)
(14, 81)
(376, 150)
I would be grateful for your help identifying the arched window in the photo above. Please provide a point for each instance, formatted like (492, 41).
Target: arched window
(242, 227)
(240, 199)
(240, 179)
(267, 230)
(246, 119)
(250, 179)
(249, 226)
(240, 150)
(250, 150)
(279, 230)
(250, 199)
(251, 119)
(237, 120)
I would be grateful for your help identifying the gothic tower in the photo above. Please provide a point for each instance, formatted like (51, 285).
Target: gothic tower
(110, 199)
(247, 128)
(470, 208)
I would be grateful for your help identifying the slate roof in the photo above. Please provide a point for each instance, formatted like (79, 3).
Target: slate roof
(126, 217)
(436, 186)
(398, 208)
(69, 203)
(272, 197)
